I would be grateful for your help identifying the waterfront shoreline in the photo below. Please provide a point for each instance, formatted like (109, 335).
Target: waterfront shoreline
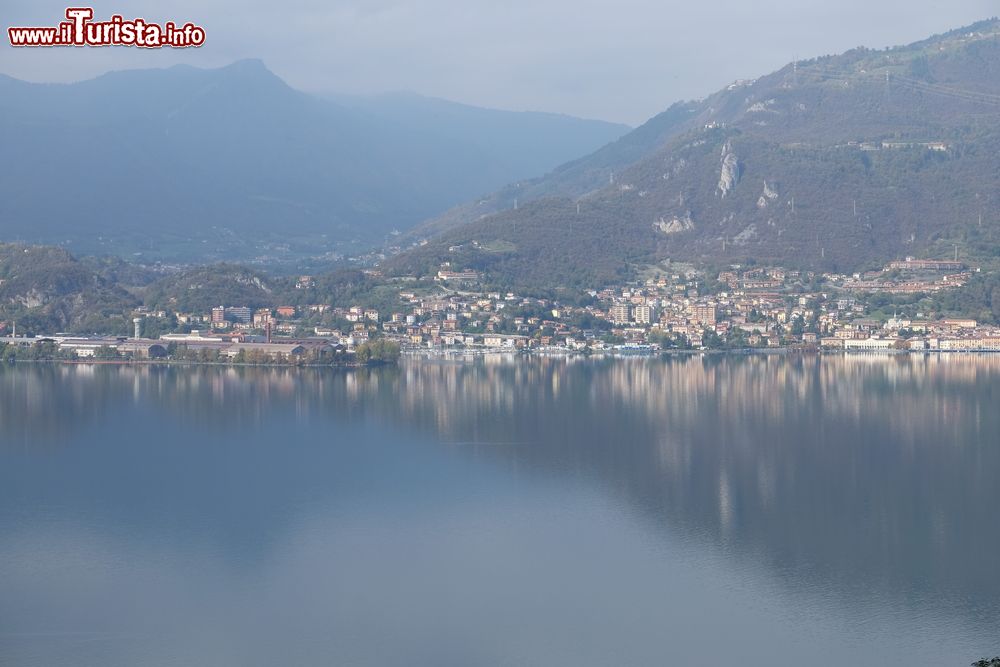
(473, 354)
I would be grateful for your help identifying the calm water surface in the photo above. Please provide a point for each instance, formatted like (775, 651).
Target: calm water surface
(771, 511)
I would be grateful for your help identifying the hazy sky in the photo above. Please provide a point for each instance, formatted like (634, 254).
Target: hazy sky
(621, 60)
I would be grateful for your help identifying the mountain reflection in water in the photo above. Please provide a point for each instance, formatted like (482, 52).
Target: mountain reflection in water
(861, 481)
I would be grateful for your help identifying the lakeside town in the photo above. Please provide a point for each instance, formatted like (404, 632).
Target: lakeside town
(741, 308)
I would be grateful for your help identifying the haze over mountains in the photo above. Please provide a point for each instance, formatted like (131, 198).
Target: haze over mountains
(199, 165)
(838, 162)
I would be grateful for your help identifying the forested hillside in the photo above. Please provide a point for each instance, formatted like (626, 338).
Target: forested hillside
(836, 163)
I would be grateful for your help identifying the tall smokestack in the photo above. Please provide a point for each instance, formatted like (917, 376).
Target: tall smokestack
(137, 322)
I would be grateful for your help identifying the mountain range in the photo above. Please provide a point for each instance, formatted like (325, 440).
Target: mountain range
(834, 163)
(198, 165)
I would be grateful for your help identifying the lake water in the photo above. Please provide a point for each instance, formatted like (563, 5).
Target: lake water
(721, 510)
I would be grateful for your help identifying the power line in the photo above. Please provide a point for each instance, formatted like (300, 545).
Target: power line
(907, 82)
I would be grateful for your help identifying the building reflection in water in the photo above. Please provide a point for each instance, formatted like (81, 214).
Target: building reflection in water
(853, 473)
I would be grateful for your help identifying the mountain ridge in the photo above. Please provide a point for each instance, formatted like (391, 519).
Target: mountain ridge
(239, 164)
(819, 165)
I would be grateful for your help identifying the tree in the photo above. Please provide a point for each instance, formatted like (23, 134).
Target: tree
(378, 351)
(738, 338)
(797, 327)
(106, 352)
(44, 350)
(710, 339)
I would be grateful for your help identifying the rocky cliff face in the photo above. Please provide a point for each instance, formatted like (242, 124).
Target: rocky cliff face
(767, 197)
(675, 225)
(729, 174)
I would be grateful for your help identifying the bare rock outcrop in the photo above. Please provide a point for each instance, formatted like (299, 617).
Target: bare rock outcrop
(674, 225)
(729, 174)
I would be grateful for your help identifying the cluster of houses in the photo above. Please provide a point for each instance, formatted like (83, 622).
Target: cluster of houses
(908, 276)
(773, 307)
(746, 307)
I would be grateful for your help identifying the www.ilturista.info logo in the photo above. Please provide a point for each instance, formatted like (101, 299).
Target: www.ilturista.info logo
(81, 30)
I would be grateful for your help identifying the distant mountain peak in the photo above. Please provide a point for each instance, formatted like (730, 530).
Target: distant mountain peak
(250, 162)
(247, 65)
(251, 72)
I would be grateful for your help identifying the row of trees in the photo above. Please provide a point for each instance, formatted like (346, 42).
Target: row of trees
(42, 351)
(378, 351)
